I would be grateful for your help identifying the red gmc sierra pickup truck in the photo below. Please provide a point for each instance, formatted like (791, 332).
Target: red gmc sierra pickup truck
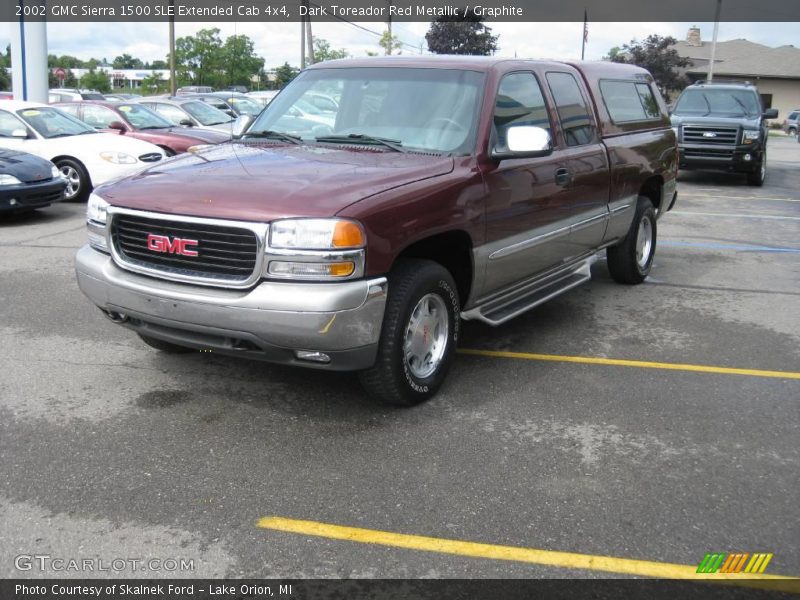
(432, 189)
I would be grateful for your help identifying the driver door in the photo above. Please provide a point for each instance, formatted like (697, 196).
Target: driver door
(528, 205)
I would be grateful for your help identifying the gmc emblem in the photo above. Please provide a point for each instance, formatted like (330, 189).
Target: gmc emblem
(162, 243)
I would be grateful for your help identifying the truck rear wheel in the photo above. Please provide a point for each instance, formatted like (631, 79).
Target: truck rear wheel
(419, 334)
(630, 260)
(164, 346)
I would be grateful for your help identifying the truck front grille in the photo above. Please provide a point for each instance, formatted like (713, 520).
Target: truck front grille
(186, 250)
(719, 136)
(708, 153)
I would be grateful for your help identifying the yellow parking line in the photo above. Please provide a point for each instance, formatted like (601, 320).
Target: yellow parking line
(551, 558)
(641, 364)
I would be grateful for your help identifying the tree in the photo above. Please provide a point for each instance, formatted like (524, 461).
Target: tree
(198, 57)
(658, 55)
(323, 51)
(153, 83)
(284, 74)
(157, 64)
(126, 61)
(390, 43)
(463, 34)
(5, 82)
(69, 80)
(96, 80)
(65, 62)
(239, 60)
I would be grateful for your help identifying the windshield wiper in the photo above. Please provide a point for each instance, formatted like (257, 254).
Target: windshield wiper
(275, 135)
(395, 145)
(740, 103)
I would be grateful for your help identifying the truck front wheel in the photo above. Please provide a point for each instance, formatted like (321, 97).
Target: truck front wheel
(630, 260)
(419, 334)
(758, 176)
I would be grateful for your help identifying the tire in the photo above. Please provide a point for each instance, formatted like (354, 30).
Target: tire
(163, 346)
(630, 261)
(792, 131)
(757, 177)
(409, 369)
(79, 185)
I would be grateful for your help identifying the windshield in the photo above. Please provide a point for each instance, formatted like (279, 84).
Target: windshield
(434, 110)
(205, 113)
(245, 106)
(51, 122)
(141, 117)
(718, 102)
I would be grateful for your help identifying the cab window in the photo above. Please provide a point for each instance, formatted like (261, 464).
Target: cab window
(519, 102)
(573, 113)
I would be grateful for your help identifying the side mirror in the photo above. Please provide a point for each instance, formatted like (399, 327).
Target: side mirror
(118, 126)
(19, 133)
(524, 141)
(230, 113)
(241, 125)
(770, 113)
(186, 123)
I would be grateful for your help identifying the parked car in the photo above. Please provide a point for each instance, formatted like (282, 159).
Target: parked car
(451, 188)
(69, 94)
(194, 89)
(122, 97)
(723, 126)
(137, 121)
(322, 102)
(241, 89)
(790, 123)
(231, 103)
(28, 182)
(85, 157)
(187, 111)
(6, 95)
(263, 96)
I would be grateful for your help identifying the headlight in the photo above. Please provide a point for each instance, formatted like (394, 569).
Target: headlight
(96, 209)
(317, 234)
(118, 158)
(198, 147)
(55, 173)
(9, 180)
(750, 136)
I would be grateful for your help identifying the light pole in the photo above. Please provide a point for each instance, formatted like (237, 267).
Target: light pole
(714, 42)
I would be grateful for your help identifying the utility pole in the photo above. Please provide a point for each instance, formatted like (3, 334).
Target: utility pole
(310, 41)
(303, 18)
(173, 84)
(389, 27)
(714, 42)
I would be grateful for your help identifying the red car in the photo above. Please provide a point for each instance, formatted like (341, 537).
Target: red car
(137, 121)
(6, 95)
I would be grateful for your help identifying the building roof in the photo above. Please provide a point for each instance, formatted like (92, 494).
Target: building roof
(742, 58)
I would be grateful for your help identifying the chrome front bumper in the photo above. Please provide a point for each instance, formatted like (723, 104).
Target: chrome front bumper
(272, 321)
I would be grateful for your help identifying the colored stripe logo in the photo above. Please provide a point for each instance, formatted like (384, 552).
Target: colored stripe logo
(734, 562)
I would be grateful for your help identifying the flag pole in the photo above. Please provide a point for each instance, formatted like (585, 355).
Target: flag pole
(585, 33)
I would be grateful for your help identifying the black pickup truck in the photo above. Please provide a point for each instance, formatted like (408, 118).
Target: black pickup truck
(723, 127)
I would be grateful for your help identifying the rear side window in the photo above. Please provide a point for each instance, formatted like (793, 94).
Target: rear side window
(519, 102)
(629, 101)
(572, 110)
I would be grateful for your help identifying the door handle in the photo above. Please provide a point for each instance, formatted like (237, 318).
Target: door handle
(563, 177)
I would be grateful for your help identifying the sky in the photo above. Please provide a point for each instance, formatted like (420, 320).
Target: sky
(279, 42)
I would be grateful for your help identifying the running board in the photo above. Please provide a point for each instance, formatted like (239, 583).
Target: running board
(508, 305)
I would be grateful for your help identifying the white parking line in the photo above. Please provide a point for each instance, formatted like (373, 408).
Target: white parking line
(733, 215)
(722, 197)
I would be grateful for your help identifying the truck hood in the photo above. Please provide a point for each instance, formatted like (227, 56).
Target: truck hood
(713, 121)
(262, 182)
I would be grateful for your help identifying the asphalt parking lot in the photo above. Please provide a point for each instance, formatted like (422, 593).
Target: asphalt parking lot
(112, 450)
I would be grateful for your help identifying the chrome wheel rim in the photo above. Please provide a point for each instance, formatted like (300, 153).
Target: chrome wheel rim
(73, 180)
(644, 242)
(426, 336)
